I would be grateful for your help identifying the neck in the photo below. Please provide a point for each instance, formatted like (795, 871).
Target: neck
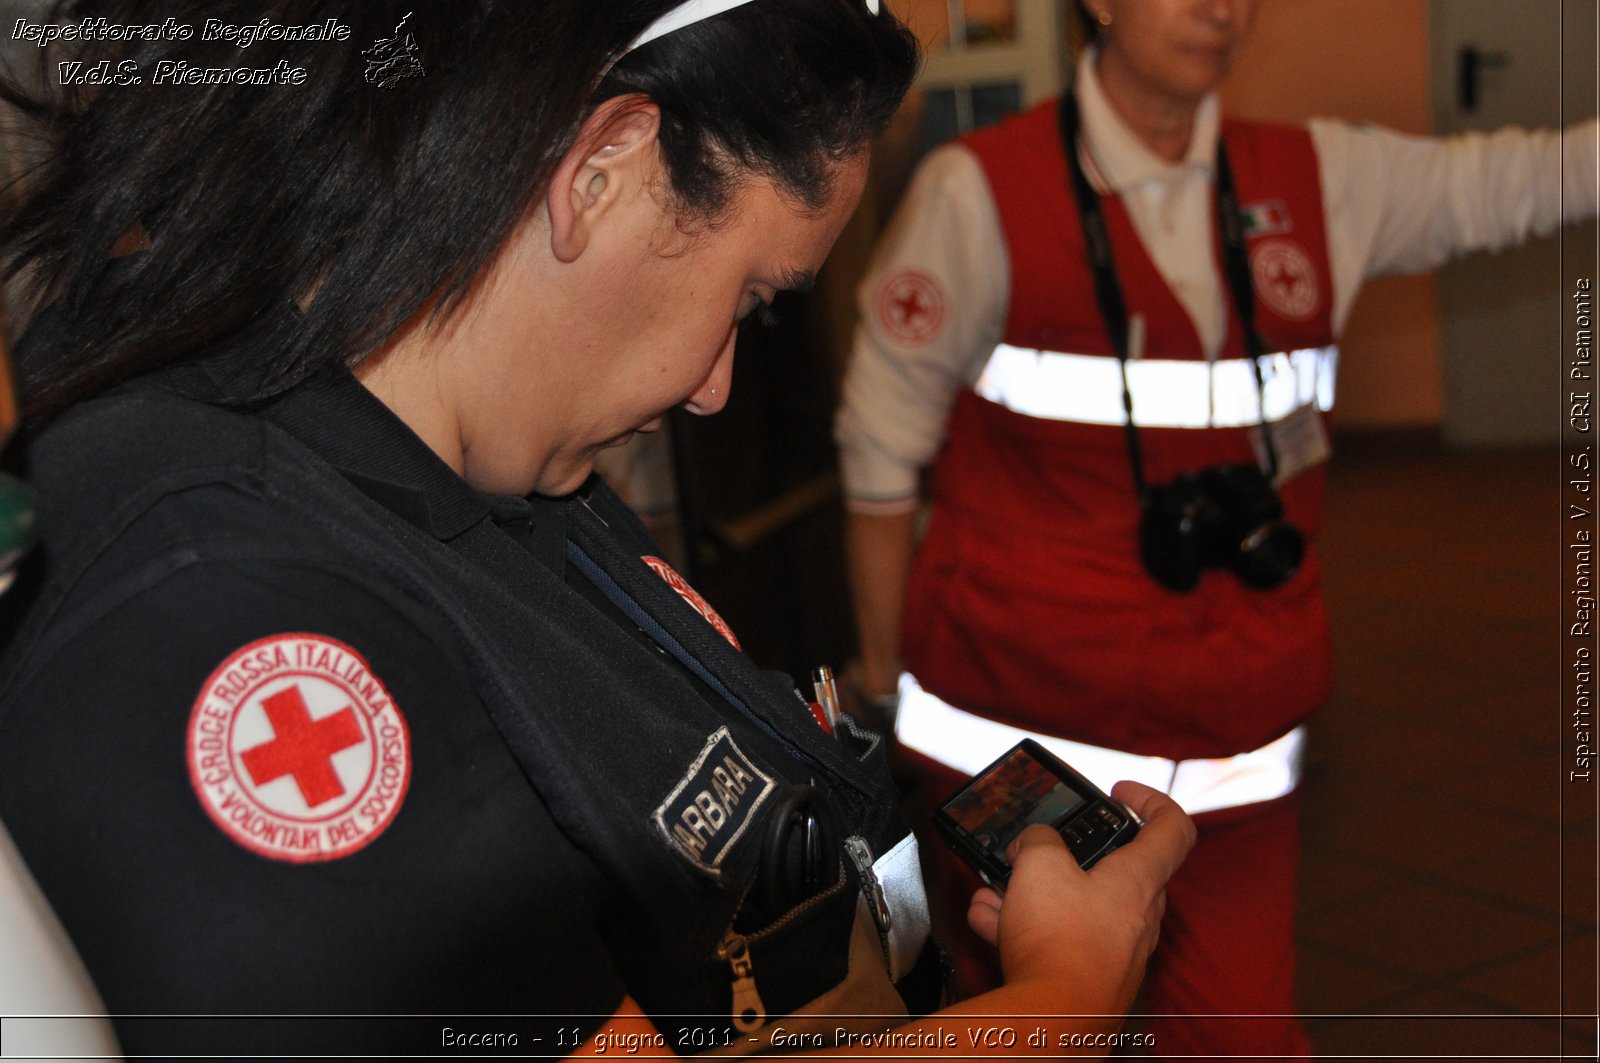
(457, 384)
(1163, 123)
(399, 375)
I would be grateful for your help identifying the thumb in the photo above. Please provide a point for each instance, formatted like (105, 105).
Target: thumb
(1035, 841)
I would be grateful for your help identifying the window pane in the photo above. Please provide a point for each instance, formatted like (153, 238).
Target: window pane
(990, 103)
(950, 112)
(940, 121)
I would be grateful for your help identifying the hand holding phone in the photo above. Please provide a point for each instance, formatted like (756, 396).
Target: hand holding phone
(1031, 785)
(1057, 927)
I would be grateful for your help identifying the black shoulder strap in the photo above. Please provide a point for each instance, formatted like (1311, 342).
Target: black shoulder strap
(1236, 261)
(1108, 292)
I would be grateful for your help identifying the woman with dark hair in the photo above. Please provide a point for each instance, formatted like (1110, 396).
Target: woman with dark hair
(343, 689)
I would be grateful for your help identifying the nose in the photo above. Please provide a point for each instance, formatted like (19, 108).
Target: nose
(712, 394)
(1225, 12)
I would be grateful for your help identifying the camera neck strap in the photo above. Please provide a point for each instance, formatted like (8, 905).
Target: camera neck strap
(1108, 290)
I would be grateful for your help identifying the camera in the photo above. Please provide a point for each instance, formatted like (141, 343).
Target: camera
(1028, 785)
(1226, 516)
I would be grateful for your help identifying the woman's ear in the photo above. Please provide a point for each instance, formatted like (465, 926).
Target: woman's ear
(613, 158)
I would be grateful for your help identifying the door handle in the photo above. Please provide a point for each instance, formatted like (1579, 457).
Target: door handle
(1471, 62)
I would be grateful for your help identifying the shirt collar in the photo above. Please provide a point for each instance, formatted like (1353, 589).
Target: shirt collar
(334, 416)
(1118, 159)
(348, 427)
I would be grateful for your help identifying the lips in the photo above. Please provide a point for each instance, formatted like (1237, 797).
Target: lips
(1215, 53)
(652, 425)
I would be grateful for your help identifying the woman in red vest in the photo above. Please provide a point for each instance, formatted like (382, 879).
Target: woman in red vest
(1142, 593)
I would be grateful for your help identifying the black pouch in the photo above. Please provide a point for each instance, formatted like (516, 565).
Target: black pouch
(792, 983)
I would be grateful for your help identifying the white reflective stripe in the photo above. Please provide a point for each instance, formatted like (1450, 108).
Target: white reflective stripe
(1259, 775)
(968, 743)
(1087, 388)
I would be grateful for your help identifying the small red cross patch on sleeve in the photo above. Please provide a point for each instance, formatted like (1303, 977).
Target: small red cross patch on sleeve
(910, 307)
(692, 596)
(296, 750)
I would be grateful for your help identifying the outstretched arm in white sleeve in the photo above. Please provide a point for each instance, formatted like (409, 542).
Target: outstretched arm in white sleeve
(1397, 203)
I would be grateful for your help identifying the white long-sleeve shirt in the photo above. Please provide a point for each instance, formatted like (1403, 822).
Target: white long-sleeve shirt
(1393, 203)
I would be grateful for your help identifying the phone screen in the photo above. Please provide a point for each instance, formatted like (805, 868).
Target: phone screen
(1017, 792)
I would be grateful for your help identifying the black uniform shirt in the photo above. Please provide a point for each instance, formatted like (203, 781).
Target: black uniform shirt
(468, 901)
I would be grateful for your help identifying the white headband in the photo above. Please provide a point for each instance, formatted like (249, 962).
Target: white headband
(691, 11)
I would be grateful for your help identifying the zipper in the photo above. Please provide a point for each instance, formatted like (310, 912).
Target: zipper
(860, 855)
(748, 1011)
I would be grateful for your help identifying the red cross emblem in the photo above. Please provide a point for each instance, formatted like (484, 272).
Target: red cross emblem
(692, 596)
(296, 750)
(1285, 279)
(302, 747)
(910, 307)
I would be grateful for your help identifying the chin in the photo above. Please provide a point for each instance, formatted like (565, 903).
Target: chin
(563, 489)
(1199, 71)
(558, 482)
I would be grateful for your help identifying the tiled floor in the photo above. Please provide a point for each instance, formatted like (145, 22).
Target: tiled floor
(1432, 921)
(1435, 831)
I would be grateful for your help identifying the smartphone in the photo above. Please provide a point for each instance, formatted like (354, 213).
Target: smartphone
(1031, 785)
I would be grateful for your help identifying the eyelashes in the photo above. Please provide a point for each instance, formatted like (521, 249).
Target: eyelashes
(762, 314)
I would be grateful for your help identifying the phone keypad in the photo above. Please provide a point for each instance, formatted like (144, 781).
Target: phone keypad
(1088, 834)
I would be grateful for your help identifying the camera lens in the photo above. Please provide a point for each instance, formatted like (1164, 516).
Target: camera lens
(1269, 556)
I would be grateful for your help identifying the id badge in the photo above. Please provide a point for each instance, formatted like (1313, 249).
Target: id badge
(1301, 442)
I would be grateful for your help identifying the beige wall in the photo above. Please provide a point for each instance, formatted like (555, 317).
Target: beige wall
(1364, 60)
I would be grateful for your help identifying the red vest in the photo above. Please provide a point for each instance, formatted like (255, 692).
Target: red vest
(1028, 602)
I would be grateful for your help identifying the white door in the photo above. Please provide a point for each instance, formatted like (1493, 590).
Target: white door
(1496, 63)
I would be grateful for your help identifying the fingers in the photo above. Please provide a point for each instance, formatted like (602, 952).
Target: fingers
(1145, 800)
(1153, 806)
(1168, 833)
(983, 915)
(1136, 874)
(1162, 843)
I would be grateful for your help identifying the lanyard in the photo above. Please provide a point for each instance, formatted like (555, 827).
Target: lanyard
(1108, 291)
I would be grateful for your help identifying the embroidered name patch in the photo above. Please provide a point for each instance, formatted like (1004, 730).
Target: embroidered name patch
(713, 803)
(910, 307)
(692, 596)
(296, 751)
